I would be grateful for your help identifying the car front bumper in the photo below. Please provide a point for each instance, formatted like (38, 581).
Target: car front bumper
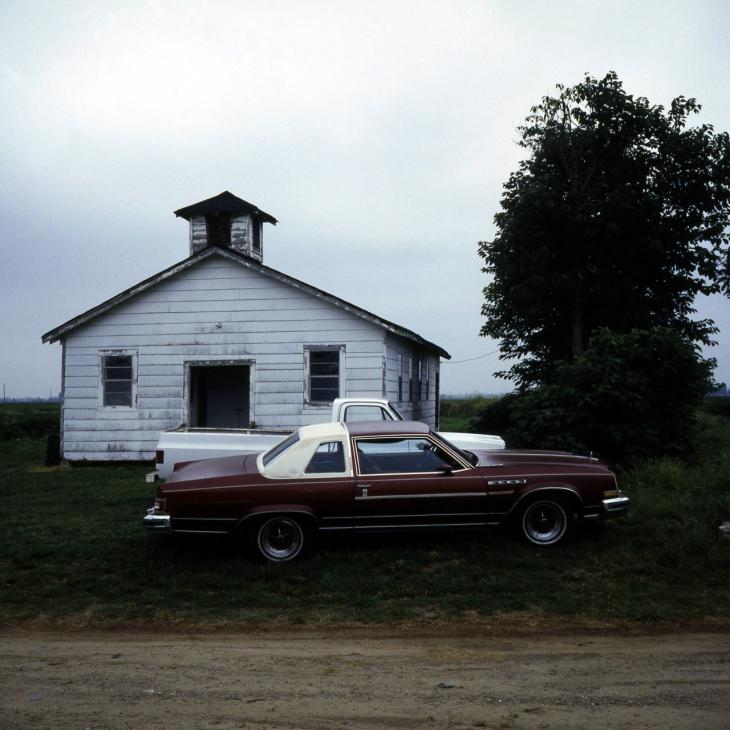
(155, 521)
(615, 507)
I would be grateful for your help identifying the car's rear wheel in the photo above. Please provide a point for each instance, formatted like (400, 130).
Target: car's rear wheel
(280, 539)
(544, 522)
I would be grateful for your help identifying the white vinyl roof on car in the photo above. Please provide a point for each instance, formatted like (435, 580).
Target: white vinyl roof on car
(323, 431)
(293, 461)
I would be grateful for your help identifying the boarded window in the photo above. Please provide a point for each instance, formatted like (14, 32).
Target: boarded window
(324, 375)
(413, 381)
(256, 225)
(117, 377)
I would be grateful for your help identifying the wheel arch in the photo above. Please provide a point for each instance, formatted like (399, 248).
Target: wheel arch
(258, 514)
(559, 490)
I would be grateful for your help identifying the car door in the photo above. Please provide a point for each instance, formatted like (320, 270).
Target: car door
(414, 481)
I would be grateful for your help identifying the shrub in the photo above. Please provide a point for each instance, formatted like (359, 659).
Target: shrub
(629, 396)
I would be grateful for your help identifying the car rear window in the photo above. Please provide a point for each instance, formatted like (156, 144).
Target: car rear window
(279, 449)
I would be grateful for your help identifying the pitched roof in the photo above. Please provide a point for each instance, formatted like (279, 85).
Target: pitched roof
(225, 202)
(58, 332)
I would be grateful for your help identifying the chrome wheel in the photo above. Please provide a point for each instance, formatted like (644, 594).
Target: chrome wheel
(280, 539)
(544, 522)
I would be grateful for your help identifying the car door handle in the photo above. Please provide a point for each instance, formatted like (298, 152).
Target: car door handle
(364, 485)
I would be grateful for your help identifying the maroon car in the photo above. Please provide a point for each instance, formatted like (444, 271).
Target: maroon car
(381, 476)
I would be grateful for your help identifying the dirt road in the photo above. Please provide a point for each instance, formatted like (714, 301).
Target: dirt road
(364, 679)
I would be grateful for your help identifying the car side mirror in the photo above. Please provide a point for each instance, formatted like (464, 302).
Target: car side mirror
(447, 469)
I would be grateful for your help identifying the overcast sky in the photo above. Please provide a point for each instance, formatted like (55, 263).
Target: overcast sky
(378, 133)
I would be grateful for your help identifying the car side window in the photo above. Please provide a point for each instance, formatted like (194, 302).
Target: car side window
(401, 455)
(329, 458)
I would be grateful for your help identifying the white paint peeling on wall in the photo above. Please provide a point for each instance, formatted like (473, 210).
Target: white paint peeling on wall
(212, 311)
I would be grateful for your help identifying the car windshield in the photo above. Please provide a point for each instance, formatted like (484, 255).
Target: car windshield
(473, 459)
(280, 448)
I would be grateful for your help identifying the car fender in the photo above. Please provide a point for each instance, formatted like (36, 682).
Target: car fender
(535, 490)
(278, 509)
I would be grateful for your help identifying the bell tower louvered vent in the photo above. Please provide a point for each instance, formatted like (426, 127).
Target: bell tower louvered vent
(226, 221)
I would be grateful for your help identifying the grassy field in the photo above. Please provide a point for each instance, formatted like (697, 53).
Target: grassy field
(72, 550)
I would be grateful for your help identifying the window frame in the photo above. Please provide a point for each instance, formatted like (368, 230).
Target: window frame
(308, 350)
(341, 472)
(458, 459)
(103, 354)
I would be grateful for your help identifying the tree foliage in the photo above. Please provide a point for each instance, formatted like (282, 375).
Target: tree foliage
(619, 399)
(617, 218)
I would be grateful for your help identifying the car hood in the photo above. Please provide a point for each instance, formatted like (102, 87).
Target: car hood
(226, 466)
(527, 458)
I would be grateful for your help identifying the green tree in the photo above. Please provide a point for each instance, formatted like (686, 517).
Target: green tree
(626, 397)
(617, 218)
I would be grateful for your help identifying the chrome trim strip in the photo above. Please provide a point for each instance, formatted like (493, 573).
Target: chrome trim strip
(440, 495)
(329, 482)
(204, 532)
(559, 455)
(281, 512)
(428, 514)
(430, 524)
(505, 482)
(208, 519)
(552, 474)
(502, 493)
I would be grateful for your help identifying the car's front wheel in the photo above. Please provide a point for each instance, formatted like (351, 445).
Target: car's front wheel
(544, 522)
(279, 539)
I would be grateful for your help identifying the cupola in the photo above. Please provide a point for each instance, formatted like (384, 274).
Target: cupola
(226, 221)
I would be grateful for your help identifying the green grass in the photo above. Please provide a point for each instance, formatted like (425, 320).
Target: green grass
(72, 549)
(456, 414)
(22, 420)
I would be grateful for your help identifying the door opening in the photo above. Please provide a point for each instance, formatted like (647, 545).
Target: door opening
(219, 396)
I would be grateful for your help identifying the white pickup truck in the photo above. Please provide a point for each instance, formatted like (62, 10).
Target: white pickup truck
(195, 444)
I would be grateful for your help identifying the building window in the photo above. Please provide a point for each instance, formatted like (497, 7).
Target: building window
(117, 380)
(428, 380)
(323, 374)
(413, 381)
(400, 376)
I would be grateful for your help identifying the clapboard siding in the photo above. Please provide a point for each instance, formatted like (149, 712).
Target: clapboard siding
(264, 323)
(425, 409)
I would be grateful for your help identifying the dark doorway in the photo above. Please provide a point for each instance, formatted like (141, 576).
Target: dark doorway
(219, 396)
(218, 228)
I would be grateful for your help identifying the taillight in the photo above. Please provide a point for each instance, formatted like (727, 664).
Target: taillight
(159, 456)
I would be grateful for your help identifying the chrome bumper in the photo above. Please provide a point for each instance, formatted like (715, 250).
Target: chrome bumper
(157, 521)
(615, 507)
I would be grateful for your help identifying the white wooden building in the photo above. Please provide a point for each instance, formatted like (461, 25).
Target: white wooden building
(220, 340)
